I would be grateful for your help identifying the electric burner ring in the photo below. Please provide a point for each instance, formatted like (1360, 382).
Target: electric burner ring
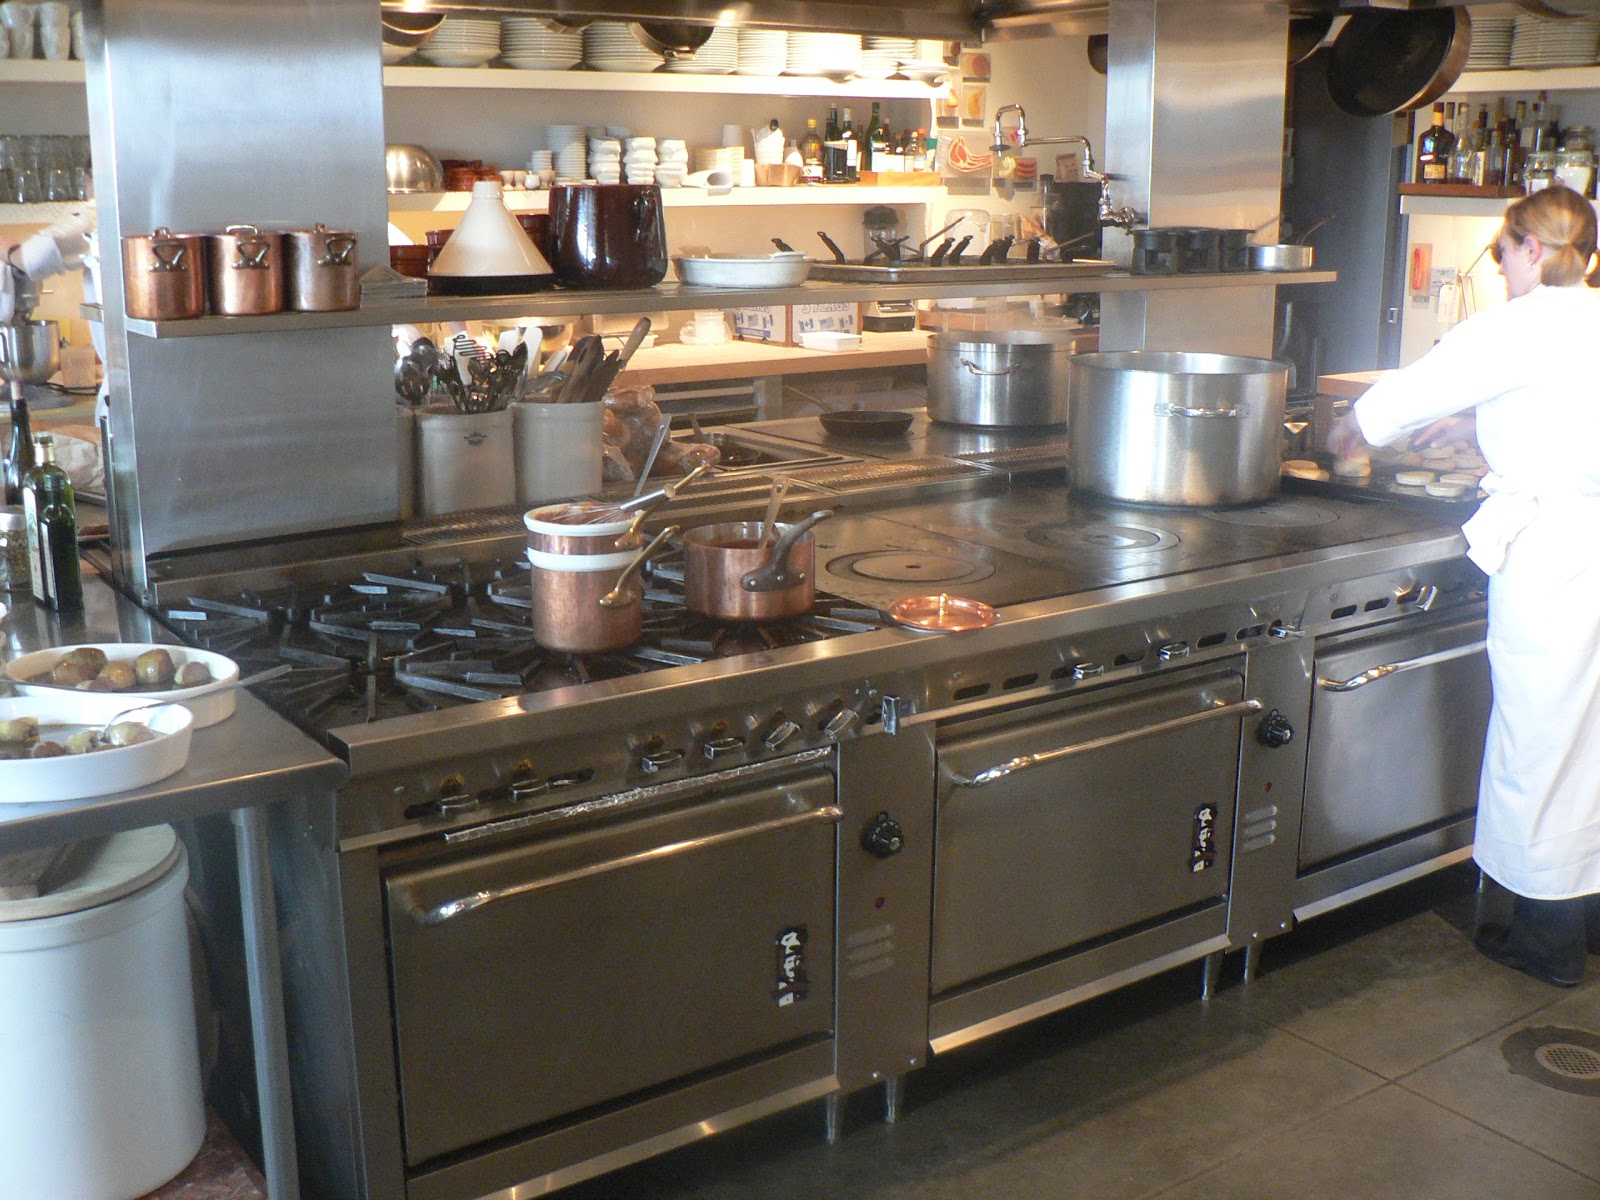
(911, 566)
(1102, 537)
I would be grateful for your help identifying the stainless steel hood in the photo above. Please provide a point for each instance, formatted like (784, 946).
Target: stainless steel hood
(945, 19)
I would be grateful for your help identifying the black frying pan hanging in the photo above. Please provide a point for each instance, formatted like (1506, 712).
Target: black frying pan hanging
(1306, 34)
(1387, 61)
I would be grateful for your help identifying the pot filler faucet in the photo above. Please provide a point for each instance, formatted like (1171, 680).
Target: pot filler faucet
(1123, 218)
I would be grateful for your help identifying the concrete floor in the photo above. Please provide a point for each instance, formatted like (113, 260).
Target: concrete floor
(1375, 1055)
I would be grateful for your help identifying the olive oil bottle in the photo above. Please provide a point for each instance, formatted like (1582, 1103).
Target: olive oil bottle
(52, 518)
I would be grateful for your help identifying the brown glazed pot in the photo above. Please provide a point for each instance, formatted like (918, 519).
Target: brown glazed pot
(607, 235)
(164, 275)
(721, 560)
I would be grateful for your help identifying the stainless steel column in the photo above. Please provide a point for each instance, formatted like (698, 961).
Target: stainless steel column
(1194, 134)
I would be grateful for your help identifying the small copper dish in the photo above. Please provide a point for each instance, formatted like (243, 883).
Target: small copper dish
(942, 613)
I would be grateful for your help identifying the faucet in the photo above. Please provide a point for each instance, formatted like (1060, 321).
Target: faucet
(1123, 218)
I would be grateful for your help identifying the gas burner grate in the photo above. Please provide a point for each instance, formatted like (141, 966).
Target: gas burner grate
(852, 475)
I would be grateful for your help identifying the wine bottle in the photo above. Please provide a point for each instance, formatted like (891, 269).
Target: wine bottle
(811, 153)
(835, 168)
(19, 459)
(873, 146)
(1435, 149)
(852, 147)
(52, 519)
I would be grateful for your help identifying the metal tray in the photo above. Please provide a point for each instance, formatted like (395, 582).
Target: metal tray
(1083, 268)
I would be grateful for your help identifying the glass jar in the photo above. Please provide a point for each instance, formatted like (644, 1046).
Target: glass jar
(13, 550)
(1540, 171)
(1575, 168)
(1577, 137)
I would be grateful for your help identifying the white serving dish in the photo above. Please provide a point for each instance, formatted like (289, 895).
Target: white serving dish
(80, 776)
(210, 702)
(828, 339)
(731, 271)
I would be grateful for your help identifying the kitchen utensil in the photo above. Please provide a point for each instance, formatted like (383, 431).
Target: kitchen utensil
(489, 253)
(1282, 256)
(321, 270)
(833, 247)
(30, 351)
(1193, 430)
(210, 702)
(608, 235)
(572, 565)
(780, 489)
(411, 168)
(650, 458)
(266, 676)
(409, 29)
(1001, 377)
(1386, 61)
(619, 596)
(943, 613)
(938, 256)
(672, 39)
(867, 423)
(783, 246)
(244, 271)
(163, 275)
(716, 270)
(648, 500)
(719, 558)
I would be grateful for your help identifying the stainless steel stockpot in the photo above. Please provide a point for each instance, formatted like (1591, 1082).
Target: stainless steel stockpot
(999, 377)
(1154, 427)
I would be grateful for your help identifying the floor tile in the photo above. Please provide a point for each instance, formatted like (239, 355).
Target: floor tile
(1387, 1145)
(1479, 1083)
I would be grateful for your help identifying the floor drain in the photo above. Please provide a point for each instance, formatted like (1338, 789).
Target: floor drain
(1567, 1060)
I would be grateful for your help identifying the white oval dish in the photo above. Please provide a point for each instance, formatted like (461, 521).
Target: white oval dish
(102, 772)
(731, 271)
(210, 702)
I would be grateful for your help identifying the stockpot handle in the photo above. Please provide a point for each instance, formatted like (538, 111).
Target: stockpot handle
(169, 252)
(438, 914)
(977, 370)
(336, 248)
(1028, 761)
(1180, 410)
(1383, 670)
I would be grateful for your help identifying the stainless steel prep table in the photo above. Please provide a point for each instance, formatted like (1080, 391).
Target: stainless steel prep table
(253, 759)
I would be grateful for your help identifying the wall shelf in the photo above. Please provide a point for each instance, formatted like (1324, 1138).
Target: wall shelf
(46, 213)
(675, 297)
(739, 197)
(1556, 79)
(1456, 206)
(39, 70)
(657, 82)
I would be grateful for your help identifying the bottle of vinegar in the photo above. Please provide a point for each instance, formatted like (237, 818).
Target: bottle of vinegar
(52, 518)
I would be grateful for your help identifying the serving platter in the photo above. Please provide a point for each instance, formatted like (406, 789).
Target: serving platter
(101, 772)
(210, 702)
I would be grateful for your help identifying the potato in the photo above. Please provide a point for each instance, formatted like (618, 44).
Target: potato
(193, 674)
(19, 729)
(98, 684)
(68, 673)
(129, 733)
(48, 750)
(87, 656)
(154, 667)
(83, 742)
(119, 676)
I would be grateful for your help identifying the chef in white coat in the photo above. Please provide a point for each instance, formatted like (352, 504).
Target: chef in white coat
(1526, 371)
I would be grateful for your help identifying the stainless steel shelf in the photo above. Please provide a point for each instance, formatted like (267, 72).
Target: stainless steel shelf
(676, 297)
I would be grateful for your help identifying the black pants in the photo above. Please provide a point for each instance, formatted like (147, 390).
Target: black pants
(1545, 938)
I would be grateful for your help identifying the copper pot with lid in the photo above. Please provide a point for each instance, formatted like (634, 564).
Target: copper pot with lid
(163, 275)
(321, 272)
(729, 573)
(244, 268)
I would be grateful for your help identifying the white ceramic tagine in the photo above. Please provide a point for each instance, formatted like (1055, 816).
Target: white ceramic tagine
(489, 253)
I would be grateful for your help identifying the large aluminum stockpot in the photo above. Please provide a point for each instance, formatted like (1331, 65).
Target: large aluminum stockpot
(1000, 377)
(1154, 427)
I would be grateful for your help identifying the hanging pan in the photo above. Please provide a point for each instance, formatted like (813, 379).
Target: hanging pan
(1306, 34)
(1387, 61)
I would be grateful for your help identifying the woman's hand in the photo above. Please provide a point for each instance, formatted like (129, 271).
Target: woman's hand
(1345, 439)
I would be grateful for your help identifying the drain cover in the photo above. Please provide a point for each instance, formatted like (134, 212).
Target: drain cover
(1567, 1060)
(1101, 537)
(1280, 514)
(911, 566)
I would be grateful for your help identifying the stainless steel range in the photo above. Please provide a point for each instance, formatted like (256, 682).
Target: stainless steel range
(572, 911)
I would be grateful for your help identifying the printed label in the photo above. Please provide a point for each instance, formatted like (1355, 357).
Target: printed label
(793, 983)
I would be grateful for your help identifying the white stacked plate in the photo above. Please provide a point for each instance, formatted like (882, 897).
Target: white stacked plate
(611, 46)
(719, 56)
(718, 158)
(831, 54)
(924, 70)
(1491, 43)
(1544, 42)
(881, 56)
(762, 52)
(463, 42)
(395, 54)
(530, 44)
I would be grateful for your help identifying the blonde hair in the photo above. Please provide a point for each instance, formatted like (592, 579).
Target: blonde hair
(1564, 223)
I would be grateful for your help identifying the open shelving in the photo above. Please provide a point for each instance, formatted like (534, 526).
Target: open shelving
(657, 82)
(739, 197)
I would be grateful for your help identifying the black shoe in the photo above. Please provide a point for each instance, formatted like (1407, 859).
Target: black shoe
(1591, 916)
(1503, 946)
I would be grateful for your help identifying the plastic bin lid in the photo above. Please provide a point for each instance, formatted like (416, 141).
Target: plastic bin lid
(99, 870)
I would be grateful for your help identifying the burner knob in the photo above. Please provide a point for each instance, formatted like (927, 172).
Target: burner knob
(1087, 670)
(1275, 730)
(1421, 598)
(715, 748)
(1172, 650)
(883, 837)
(840, 722)
(780, 734)
(454, 798)
(657, 759)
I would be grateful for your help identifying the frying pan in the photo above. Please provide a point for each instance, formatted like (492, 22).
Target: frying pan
(1306, 34)
(1386, 61)
(671, 39)
(862, 423)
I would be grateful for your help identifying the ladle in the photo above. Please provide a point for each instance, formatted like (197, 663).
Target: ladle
(620, 596)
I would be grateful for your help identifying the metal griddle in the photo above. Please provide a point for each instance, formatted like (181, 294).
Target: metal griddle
(1083, 268)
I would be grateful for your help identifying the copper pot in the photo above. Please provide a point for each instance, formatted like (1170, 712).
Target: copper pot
(244, 269)
(321, 273)
(584, 603)
(730, 575)
(164, 275)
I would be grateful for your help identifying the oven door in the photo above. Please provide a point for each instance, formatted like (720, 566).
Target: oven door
(1396, 739)
(539, 979)
(1127, 817)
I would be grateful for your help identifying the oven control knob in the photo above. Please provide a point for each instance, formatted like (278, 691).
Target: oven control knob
(657, 759)
(883, 837)
(1275, 730)
(721, 747)
(840, 722)
(1087, 670)
(1172, 650)
(781, 733)
(453, 798)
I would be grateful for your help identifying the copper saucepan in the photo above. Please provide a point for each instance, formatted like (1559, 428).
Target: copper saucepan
(583, 604)
(730, 575)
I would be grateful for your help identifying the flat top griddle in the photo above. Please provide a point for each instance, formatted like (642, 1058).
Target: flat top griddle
(915, 272)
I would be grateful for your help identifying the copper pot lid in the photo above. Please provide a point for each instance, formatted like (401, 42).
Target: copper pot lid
(942, 613)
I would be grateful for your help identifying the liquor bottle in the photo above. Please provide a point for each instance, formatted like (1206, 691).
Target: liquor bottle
(872, 143)
(1477, 161)
(811, 153)
(1495, 160)
(1434, 150)
(1514, 158)
(19, 460)
(52, 531)
(852, 147)
(1461, 157)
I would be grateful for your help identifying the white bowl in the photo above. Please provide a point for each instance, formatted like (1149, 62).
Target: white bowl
(730, 271)
(79, 776)
(210, 702)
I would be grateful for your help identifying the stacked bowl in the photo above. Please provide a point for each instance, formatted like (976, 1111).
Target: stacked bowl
(672, 161)
(605, 160)
(463, 42)
(639, 159)
(532, 45)
(762, 52)
(611, 46)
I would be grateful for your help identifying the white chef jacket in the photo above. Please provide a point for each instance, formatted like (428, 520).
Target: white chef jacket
(1527, 368)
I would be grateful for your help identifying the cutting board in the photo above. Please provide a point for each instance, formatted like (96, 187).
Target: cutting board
(24, 874)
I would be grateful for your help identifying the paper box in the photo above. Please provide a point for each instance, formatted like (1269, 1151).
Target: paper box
(820, 318)
(766, 323)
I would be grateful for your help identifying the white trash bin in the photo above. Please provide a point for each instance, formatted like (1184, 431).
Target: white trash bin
(102, 1096)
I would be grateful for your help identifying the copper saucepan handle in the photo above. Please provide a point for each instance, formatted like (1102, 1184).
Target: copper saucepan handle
(775, 576)
(619, 596)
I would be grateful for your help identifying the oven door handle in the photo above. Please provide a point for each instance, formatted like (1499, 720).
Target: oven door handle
(1028, 761)
(1383, 670)
(438, 914)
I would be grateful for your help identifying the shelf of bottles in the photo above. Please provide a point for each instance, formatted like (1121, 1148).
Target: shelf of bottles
(1501, 154)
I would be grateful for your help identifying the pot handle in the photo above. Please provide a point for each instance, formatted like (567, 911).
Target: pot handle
(169, 253)
(620, 596)
(977, 370)
(775, 576)
(1179, 410)
(336, 248)
(252, 247)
